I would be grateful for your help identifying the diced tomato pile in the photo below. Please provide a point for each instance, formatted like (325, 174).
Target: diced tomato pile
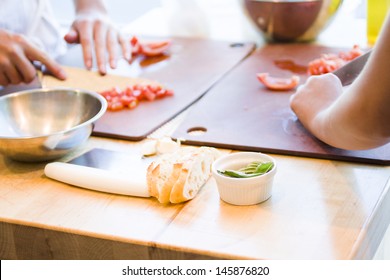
(330, 62)
(130, 96)
(153, 48)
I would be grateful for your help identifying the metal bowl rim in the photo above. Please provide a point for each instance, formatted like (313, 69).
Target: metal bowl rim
(99, 97)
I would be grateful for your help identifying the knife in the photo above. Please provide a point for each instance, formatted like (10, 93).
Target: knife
(105, 171)
(41, 69)
(349, 72)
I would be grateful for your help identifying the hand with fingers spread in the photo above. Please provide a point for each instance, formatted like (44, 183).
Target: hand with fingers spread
(17, 54)
(94, 31)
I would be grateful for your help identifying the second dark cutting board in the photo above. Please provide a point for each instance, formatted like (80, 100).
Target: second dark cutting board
(239, 113)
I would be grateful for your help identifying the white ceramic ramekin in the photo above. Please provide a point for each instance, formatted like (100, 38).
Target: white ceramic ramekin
(243, 191)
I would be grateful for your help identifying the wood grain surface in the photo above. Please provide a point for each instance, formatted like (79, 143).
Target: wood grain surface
(240, 113)
(319, 209)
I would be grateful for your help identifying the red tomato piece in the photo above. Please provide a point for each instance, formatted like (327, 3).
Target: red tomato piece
(115, 106)
(150, 96)
(154, 88)
(169, 92)
(137, 87)
(115, 91)
(325, 64)
(105, 94)
(153, 48)
(126, 100)
(128, 91)
(130, 96)
(279, 84)
(138, 94)
(352, 54)
(133, 104)
(161, 93)
(134, 41)
(108, 98)
(330, 62)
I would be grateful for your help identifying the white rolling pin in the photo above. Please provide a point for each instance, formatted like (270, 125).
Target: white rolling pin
(133, 184)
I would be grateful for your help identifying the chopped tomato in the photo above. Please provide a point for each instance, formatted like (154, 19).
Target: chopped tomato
(352, 54)
(149, 95)
(134, 41)
(115, 105)
(153, 48)
(126, 100)
(133, 104)
(130, 96)
(275, 83)
(325, 64)
(330, 62)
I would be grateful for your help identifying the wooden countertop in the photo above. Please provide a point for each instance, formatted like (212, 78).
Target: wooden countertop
(320, 209)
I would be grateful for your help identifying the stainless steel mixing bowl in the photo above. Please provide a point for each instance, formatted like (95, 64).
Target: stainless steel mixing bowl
(291, 20)
(45, 124)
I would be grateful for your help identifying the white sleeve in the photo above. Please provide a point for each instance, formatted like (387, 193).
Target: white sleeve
(45, 30)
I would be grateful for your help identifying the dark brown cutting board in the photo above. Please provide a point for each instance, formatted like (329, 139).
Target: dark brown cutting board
(239, 113)
(190, 69)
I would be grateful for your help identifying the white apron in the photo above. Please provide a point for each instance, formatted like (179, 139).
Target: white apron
(34, 19)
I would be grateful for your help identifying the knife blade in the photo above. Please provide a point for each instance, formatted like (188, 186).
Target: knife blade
(105, 171)
(40, 68)
(350, 71)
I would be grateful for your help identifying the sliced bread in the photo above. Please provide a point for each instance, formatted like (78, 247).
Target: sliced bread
(194, 173)
(178, 176)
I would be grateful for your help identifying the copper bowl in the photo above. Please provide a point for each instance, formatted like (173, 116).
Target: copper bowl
(291, 20)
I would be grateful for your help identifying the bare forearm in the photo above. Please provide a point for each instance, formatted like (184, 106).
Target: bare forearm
(352, 123)
(356, 118)
(363, 111)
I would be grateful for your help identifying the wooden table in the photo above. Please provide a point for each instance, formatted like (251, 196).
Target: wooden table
(320, 209)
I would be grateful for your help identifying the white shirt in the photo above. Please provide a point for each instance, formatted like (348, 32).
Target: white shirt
(34, 19)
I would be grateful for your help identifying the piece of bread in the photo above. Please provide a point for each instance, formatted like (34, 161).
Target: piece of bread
(194, 173)
(178, 176)
(162, 173)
